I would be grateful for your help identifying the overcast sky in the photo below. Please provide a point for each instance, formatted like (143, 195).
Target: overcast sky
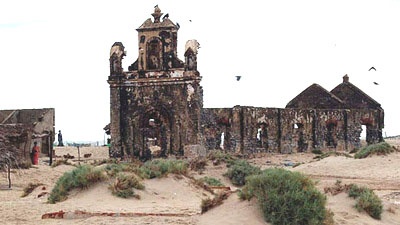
(54, 54)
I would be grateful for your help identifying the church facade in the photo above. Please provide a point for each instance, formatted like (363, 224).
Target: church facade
(156, 107)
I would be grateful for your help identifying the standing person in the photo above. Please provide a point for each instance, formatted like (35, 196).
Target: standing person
(35, 154)
(60, 139)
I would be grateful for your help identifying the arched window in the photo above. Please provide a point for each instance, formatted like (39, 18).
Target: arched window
(154, 47)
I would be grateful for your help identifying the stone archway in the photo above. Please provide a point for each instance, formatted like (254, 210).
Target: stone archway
(262, 136)
(368, 124)
(155, 133)
(330, 138)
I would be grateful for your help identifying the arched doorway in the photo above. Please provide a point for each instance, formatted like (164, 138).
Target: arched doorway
(155, 134)
(302, 144)
(330, 139)
(262, 136)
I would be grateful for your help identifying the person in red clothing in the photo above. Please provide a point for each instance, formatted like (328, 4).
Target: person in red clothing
(35, 154)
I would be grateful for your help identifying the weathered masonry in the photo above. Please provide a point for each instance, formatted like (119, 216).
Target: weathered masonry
(315, 119)
(157, 106)
(20, 128)
(157, 103)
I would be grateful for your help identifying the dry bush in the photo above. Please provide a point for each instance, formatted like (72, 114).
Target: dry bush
(28, 189)
(124, 184)
(60, 162)
(337, 188)
(198, 164)
(207, 204)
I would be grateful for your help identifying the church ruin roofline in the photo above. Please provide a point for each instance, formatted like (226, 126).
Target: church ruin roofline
(317, 93)
(347, 84)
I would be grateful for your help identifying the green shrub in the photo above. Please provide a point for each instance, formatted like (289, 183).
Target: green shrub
(355, 191)
(332, 153)
(317, 151)
(81, 177)
(370, 203)
(211, 181)
(161, 167)
(124, 185)
(286, 197)
(381, 148)
(219, 156)
(115, 168)
(239, 170)
(366, 200)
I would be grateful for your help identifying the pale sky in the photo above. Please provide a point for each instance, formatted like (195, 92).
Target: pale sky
(54, 54)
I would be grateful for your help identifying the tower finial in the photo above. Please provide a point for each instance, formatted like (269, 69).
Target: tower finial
(157, 14)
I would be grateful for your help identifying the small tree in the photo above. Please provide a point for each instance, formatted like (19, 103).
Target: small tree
(7, 157)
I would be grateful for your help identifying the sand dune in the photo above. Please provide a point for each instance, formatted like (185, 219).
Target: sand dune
(177, 200)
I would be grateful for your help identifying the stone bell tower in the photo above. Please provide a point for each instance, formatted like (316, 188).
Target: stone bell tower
(155, 106)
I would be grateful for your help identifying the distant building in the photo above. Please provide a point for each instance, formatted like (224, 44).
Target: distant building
(158, 105)
(20, 128)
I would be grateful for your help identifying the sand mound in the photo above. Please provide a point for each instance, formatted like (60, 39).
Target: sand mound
(176, 200)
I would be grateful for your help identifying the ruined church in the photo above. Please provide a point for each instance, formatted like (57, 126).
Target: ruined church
(157, 106)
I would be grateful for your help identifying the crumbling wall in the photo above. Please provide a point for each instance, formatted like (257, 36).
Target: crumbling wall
(261, 129)
(331, 129)
(255, 129)
(160, 112)
(214, 122)
(373, 121)
(16, 138)
(42, 122)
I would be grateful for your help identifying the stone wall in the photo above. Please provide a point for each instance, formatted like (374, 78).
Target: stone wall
(40, 122)
(251, 129)
(165, 111)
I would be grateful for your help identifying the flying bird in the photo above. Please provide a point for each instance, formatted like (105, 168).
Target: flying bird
(190, 20)
(166, 16)
(238, 78)
(376, 83)
(372, 68)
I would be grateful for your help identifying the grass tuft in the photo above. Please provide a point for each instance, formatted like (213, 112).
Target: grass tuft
(81, 177)
(286, 197)
(211, 181)
(381, 148)
(162, 167)
(239, 170)
(366, 200)
(124, 185)
(219, 156)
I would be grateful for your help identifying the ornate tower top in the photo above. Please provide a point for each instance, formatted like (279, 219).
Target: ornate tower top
(157, 14)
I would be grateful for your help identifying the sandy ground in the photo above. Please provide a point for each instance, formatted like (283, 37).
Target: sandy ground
(179, 200)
